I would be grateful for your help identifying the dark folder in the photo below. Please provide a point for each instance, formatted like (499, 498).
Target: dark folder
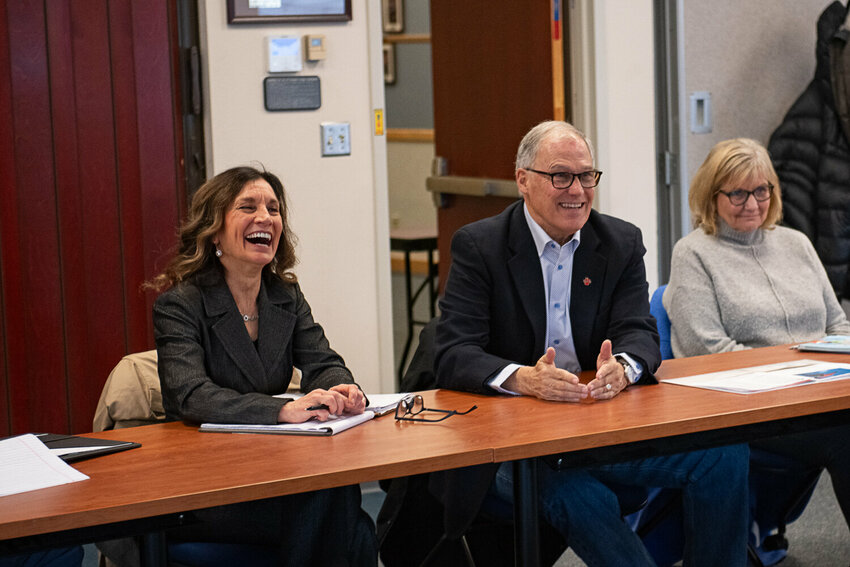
(88, 446)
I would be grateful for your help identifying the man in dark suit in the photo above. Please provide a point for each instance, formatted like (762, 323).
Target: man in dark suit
(538, 293)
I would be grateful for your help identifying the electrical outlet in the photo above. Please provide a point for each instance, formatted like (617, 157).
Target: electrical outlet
(336, 139)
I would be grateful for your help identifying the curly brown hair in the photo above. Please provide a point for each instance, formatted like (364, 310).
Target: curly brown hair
(196, 251)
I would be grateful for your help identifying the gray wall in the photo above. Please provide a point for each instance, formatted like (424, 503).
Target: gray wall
(755, 57)
(409, 101)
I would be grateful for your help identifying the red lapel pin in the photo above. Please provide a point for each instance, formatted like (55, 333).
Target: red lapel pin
(586, 281)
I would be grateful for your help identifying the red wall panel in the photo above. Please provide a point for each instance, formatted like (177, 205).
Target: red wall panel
(161, 179)
(92, 192)
(32, 285)
(7, 203)
(128, 179)
(90, 247)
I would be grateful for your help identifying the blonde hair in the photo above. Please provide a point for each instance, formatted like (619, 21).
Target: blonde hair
(196, 251)
(731, 161)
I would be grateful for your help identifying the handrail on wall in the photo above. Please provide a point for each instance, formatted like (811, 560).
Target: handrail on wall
(475, 186)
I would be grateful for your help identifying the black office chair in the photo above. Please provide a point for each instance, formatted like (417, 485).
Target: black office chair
(411, 533)
(490, 539)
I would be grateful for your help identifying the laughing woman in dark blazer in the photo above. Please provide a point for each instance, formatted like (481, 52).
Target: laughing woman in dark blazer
(229, 329)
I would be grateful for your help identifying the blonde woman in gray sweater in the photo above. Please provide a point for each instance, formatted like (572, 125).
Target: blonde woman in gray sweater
(739, 281)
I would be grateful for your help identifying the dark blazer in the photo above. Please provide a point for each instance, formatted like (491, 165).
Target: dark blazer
(212, 372)
(494, 313)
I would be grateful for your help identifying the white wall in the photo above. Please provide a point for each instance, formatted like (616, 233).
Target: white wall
(754, 57)
(338, 204)
(625, 117)
(411, 205)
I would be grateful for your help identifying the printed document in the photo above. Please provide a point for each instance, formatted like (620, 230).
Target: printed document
(767, 377)
(27, 464)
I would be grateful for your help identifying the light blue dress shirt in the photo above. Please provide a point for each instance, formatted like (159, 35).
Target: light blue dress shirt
(556, 263)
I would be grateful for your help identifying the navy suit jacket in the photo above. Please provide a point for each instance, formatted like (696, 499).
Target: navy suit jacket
(493, 313)
(210, 369)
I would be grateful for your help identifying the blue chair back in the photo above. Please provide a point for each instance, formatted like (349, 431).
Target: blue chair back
(656, 309)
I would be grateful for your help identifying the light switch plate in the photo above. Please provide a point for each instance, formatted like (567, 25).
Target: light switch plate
(336, 139)
(701, 122)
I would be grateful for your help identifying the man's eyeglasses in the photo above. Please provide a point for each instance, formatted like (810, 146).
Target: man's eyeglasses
(410, 408)
(563, 179)
(738, 197)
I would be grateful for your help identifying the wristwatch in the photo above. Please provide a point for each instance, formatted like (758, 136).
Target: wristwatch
(627, 368)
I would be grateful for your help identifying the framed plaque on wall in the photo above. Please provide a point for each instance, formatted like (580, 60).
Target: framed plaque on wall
(262, 11)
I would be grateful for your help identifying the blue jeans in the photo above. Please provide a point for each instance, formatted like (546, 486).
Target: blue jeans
(61, 557)
(586, 512)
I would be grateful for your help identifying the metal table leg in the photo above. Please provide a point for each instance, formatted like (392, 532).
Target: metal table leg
(153, 551)
(526, 529)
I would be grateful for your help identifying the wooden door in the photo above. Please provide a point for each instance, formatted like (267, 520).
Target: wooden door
(498, 70)
(92, 190)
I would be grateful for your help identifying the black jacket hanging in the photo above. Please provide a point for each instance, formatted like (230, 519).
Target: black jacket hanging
(811, 154)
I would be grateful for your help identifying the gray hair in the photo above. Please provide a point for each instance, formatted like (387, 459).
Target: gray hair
(530, 143)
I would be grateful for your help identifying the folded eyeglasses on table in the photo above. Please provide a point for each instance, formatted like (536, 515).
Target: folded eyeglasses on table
(412, 408)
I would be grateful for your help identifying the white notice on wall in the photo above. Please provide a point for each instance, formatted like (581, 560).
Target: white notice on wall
(260, 4)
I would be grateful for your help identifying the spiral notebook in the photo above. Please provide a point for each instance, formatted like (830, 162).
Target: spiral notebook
(332, 426)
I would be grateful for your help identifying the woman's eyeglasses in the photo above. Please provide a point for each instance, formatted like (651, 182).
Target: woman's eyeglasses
(412, 407)
(738, 197)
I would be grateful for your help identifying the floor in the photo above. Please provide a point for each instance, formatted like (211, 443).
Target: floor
(819, 538)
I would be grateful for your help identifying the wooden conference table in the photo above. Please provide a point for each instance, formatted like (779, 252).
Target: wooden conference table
(178, 469)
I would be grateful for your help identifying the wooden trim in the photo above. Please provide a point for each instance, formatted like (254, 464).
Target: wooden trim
(407, 38)
(418, 262)
(474, 186)
(557, 31)
(410, 135)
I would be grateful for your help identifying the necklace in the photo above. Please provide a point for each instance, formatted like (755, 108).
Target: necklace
(247, 318)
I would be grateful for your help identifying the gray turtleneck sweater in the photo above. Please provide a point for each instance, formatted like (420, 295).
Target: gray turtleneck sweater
(738, 290)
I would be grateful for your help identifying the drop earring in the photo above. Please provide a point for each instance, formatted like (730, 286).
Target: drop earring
(218, 252)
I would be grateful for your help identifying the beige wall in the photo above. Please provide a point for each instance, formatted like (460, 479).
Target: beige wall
(338, 204)
(624, 128)
(408, 165)
(754, 57)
